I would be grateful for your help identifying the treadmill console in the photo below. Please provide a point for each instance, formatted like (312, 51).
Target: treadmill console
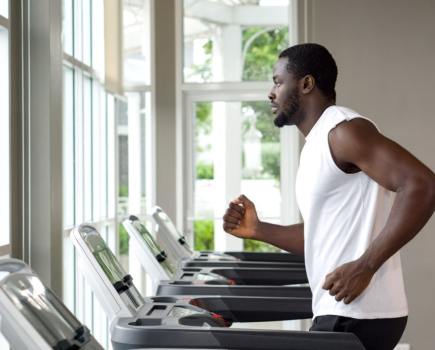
(110, 279)
(158, 253)
(39, 310)
(150, 254)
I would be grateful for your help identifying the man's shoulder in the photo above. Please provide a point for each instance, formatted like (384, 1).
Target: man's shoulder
(351, 138)
(356, 127)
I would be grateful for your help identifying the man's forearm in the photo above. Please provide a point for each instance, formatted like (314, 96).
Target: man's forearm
(412, 208)
(289, 238)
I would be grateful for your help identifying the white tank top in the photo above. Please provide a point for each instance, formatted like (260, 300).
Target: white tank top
(343, 213)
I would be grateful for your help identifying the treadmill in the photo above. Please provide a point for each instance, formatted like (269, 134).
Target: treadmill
(118, 295)
(33, 318)
(175, 244)
(155, 261)
(191, 322)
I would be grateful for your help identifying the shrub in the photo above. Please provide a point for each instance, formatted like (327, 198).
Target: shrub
(204, 234)
(256, 246)
(204, 171)
(270, 159)
(123, 240)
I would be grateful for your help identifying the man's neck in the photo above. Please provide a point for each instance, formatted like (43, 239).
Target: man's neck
(313, 112)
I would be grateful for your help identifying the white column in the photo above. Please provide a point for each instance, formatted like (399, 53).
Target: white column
(227, 135)
(227, 167)
(289, 164)
(134, 154)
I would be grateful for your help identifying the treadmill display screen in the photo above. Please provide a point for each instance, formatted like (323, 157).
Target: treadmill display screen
(154, 247)
(45, 312)
(169, 225)
(111, 267)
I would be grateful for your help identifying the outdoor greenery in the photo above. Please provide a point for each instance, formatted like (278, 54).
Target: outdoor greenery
(203, 70)
(204, 171)
(262, 52)
(260, 57)
(203, 233)
(203, 118)
(123, 240)
(270, 159)
(270, 146)
(256, 246)
(203, 128)
(123, 191)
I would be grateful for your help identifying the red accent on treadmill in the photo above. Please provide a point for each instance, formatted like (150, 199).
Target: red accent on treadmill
(226, 323)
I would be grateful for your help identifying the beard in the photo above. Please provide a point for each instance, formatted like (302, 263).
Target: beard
(288, 114)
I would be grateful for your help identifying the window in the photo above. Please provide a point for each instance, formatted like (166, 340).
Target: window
(135, 125)
(4, 8)
(4, 138)
(97, 125)
(258, 150)
(137, 43)
(89, 146)
(229, 50)
(233, 40)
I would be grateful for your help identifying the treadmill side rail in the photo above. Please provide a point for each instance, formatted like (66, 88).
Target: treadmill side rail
(168, 288)
(264, 256)
(126, 336)
(251, 264)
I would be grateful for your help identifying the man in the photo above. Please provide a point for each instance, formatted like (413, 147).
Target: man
(362, 197)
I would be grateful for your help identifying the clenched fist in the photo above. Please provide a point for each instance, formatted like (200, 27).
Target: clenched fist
(348, 281)
(241, 218)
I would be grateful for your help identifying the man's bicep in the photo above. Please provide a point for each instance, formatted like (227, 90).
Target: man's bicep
(386, 162)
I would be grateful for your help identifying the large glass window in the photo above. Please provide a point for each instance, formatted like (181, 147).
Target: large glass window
(94, 122)
(88, 150)
(259, 151)
(4, 8)
(67, 26)
(134, 122)
(4, 136)
(237, 149)
(4, 141)
(137, 47)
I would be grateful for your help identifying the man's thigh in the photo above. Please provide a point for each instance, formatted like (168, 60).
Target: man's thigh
(376, 334)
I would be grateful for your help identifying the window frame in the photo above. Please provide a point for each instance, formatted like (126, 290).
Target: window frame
(6, 249)
(242, 91)
(94, 146)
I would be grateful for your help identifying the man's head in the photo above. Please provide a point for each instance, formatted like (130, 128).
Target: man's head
(301, 71)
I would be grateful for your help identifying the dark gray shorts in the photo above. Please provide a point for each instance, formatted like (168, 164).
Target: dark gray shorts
(376, 334)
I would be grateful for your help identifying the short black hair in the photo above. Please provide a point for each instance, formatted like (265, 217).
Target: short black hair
(315, 60)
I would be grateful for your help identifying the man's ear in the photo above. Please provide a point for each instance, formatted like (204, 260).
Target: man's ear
(308, 84)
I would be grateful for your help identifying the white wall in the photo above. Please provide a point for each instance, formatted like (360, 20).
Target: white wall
(385, 51)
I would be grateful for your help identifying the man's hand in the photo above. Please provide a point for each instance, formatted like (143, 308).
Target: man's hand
(348, 281)
(241, 218)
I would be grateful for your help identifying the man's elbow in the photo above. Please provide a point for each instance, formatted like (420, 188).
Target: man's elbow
(424, 188)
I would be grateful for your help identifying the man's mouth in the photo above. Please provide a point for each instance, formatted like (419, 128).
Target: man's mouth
(273, 108)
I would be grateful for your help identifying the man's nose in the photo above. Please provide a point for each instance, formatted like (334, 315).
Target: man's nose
(271, 96)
